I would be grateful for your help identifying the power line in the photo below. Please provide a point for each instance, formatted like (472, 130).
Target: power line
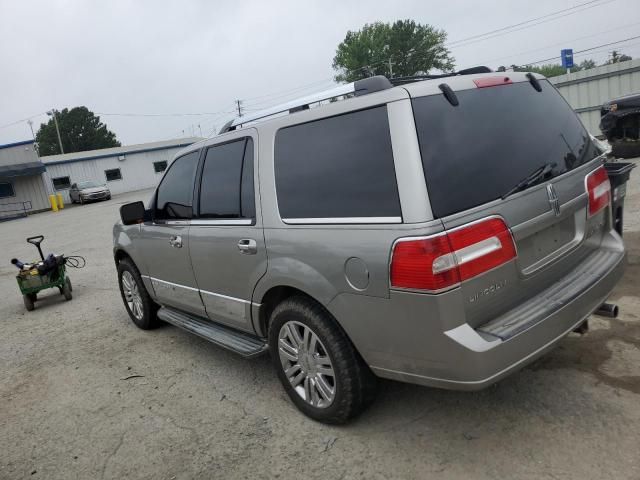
(23, 120)
(582, 51)
(509, 27)
(485, 62)
(501, 31)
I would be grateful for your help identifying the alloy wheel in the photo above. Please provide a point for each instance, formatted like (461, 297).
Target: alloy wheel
(132, 295)
(306, 364)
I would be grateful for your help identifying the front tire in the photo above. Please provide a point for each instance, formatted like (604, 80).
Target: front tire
(139, 305)
(320, 370)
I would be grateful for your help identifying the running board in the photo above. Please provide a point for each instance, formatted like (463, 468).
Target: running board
(241, 343)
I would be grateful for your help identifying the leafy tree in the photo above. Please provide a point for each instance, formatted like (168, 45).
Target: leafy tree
(551, 69)
(400, 49)
(616, 57)
(587, 64)
(80, 130)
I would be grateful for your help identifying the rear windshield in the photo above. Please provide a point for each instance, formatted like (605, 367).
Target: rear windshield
(477, 151)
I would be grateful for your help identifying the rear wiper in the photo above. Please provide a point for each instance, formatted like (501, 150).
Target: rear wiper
(531, 179)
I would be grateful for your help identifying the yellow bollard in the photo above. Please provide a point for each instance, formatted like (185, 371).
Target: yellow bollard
(60, 201)
(54, 203)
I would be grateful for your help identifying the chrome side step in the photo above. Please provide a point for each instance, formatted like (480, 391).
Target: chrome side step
(241, 343)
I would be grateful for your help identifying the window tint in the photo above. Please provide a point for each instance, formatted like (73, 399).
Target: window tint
(61, 183)
(337, 167)
(6, 190)
(477, 151)
(175, 193)
(113, 174)
(224, 176)
(160, 167)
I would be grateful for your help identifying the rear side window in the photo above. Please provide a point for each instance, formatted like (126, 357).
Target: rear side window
(475, 152)
(175, 193)
(226, 189)
(338, 167)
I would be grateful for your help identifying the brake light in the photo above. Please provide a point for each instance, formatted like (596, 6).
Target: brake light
(492, 81)
(599, 190)
(446, 259)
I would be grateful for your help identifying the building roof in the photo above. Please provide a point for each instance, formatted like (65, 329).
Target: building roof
(16, 144)
(21, 169)
(117, 151)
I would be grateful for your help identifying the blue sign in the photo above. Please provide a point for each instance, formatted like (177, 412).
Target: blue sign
(566, 56)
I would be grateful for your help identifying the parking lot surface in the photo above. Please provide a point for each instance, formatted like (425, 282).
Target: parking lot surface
(85, 394)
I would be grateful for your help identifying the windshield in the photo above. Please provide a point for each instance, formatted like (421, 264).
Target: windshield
(475, 152)
(88, 185)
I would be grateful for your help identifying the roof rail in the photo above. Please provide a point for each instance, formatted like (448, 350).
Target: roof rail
(357, 88)
(419, 78)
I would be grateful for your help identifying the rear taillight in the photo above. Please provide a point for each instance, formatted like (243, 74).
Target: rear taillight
(599, 190)
(444, 260)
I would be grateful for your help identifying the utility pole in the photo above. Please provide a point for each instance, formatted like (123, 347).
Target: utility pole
(391, 67)
(31, 127)
(239, 104)
(200, 128)
(35, 145)
(52, 113)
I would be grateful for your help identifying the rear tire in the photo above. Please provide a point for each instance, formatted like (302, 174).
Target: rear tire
(28, 302)
(333, 383)
(66, 289)
(625, 148)
(137, 301)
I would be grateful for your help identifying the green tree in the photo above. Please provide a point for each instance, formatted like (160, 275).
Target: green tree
(400, 49)
(551, 69)
(80, 130)
(617, 57)
(587, 64)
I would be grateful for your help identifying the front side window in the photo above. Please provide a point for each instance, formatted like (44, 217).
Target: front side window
(6, 190)
(337, 167)
(113, 174)
(175, 193)
(61, 183)
(226, 188)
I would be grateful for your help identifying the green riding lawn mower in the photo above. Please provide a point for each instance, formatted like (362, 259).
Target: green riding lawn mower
(49, 272)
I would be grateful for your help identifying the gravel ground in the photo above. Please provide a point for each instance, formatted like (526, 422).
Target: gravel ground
(68, 409)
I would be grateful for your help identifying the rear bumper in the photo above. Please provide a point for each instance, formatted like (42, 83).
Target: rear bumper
(463, 358)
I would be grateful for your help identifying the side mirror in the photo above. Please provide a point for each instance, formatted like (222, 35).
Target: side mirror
(132, 213)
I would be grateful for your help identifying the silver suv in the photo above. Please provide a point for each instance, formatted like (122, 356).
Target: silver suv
(438, 231)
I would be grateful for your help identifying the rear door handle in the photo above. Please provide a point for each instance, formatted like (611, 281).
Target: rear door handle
(248, 246)
(175, 241)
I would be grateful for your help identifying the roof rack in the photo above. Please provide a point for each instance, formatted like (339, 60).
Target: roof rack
(357, 88)
(418, 78)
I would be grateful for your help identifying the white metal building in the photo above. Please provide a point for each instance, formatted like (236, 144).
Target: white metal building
(587, 90)
(22, 187)
(122, 169)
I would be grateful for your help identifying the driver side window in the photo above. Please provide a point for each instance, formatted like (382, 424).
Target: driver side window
(175, 194)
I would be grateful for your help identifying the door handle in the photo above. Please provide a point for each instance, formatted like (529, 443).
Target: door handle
(248, 246)
(175, 241)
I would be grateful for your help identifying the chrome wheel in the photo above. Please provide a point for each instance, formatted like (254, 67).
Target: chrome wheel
(132, 295)
(306, 364)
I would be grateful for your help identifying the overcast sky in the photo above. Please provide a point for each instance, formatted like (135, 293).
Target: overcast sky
(158, 57)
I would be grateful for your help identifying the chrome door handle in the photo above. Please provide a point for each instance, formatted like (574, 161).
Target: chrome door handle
(248, 246)
(175, 241)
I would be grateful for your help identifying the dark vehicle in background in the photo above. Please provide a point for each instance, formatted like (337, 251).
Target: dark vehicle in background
(620, 123)
(83, 192)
